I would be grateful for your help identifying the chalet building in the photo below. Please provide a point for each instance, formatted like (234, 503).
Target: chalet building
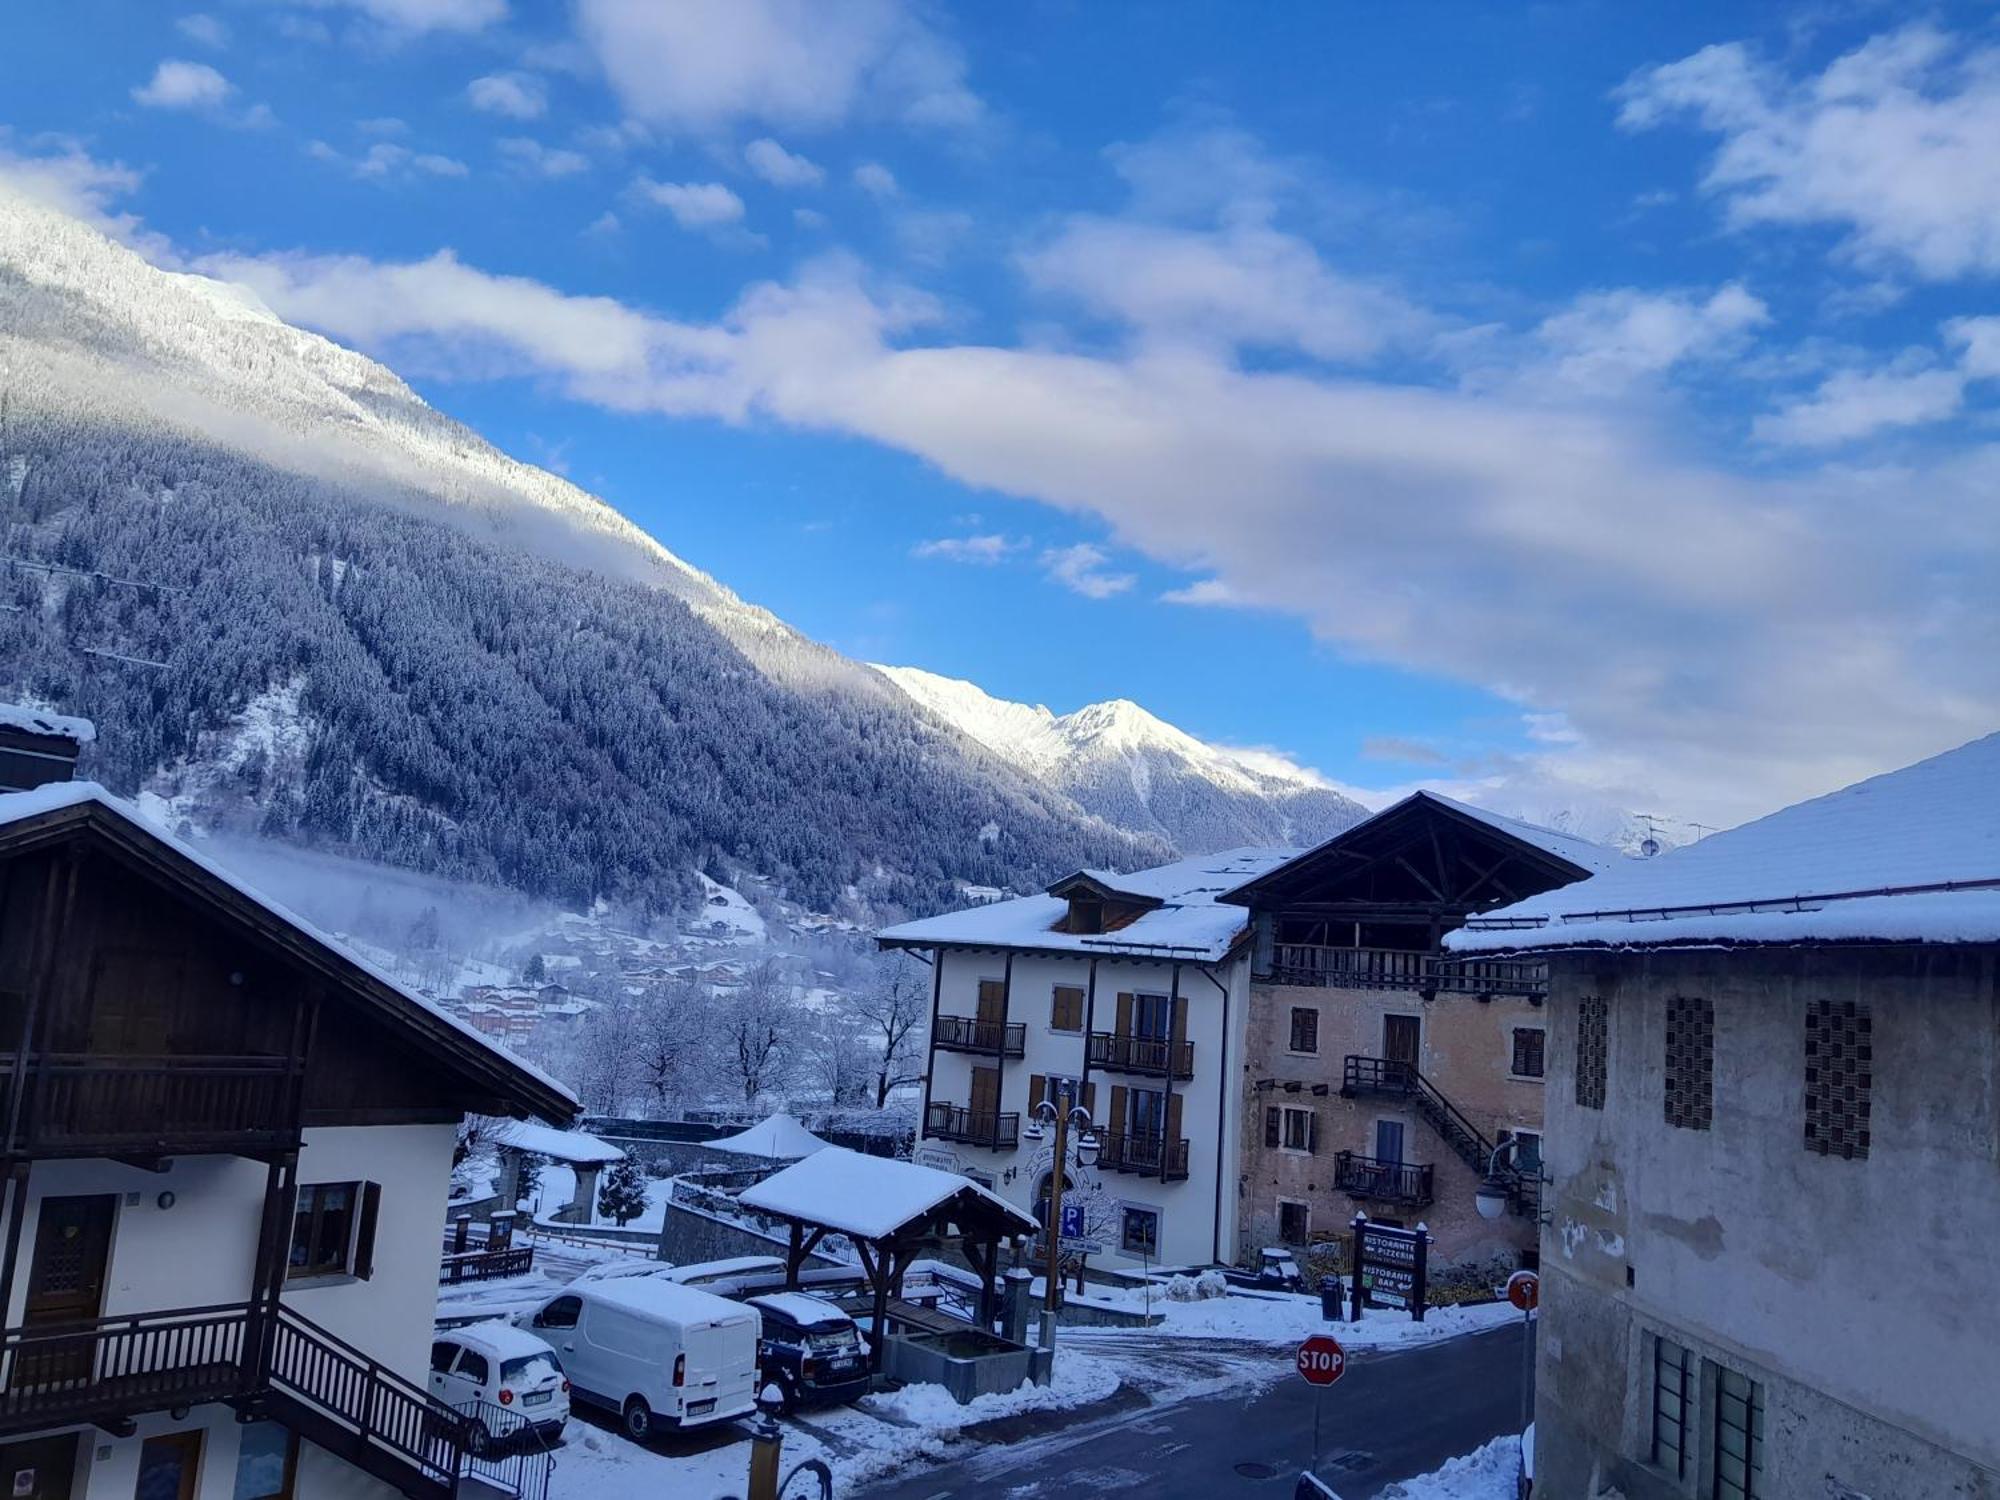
(1773, 1128)
(1382, 1074)
(227, 1148)
(1126, 995)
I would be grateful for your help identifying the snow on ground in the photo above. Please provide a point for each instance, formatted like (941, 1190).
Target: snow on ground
(722, 905)
(1487, 1473)
(1281, 1319)
(557, 1187)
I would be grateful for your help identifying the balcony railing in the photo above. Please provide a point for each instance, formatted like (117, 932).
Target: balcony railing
(1383, 1181)
(1122, 1151)
(964, 1034)
(1398, 969)
(1153, 1056)
(995, 1131)
(77, 1104)
(122, 1367)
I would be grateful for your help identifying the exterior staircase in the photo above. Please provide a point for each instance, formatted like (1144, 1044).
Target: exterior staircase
(1383, 1076)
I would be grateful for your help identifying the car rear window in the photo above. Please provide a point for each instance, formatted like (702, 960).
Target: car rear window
(530, 1369)
(832, 1340)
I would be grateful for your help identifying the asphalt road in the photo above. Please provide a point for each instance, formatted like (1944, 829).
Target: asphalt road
(1394, 1415)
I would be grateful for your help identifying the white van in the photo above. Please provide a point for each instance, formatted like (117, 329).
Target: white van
(657, 1353)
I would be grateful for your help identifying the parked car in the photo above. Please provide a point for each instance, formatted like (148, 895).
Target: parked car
(493, 1371)
(810, 1350)
(729, 1278)
(619, 1267)
(659, 1354)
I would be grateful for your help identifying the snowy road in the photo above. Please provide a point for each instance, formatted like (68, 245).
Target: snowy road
(1236, 1420)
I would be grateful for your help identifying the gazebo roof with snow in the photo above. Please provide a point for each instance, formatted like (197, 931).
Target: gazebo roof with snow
(579, 1148)
(778, 1137)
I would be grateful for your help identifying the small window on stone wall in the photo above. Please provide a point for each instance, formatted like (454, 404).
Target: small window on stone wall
(1840, 1069)
(1593, 1026)
(1690, 1102)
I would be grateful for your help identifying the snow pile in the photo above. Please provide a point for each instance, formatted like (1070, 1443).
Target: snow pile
(1079, 1380)
(1487, 1473)
(1282, 1318)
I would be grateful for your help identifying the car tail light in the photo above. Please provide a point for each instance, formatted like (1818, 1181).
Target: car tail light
(680, 1369)
(506, 1397)
(806, 1367)
(565, 1387)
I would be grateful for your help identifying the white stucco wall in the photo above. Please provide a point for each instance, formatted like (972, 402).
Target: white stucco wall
(1188, 1210)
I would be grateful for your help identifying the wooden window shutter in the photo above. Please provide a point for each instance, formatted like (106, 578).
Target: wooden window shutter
(1037, 1086)
(1273, 1123)
(364, 1238)
(1118, 1115)
(1180, 1018)
(992, 1000)
(1312, 1131)
(1090, 1100)
(1173, 1117)
(1125, 1014)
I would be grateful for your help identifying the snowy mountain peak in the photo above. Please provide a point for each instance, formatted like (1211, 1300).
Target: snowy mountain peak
(1126, 764)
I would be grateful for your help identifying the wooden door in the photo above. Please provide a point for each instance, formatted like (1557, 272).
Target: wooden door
(66, 1284)
(42, 1469)
(992, 1001)
(169, 1467)
(1402, 1037)
(1389, 1141)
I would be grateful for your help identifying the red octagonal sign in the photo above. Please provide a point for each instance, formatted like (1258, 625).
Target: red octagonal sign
(1321, 1359)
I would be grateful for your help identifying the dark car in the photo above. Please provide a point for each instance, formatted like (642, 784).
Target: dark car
(810, 1350)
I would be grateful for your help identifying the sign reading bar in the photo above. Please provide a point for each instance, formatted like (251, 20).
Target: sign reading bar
(1391, 1268)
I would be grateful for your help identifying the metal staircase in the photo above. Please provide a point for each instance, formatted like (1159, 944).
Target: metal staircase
(1403, 1080)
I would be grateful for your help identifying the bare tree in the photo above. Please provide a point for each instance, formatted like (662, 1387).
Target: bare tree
(675, 1051)
(892, 1010)
(758, 1024)
(840, 1059)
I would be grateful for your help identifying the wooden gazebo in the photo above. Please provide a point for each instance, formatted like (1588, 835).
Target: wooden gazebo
(891, 1211)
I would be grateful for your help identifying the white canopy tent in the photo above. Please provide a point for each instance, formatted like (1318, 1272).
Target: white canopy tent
(777, 1138)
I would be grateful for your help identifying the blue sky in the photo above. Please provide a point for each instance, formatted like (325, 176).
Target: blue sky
(1577, 405)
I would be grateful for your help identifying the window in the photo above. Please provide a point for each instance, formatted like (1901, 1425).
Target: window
(1064, 1093)
(1690, 1098)
(1528, 1154)
(333, 1230)
(1066, 1008)
(1530, 1051)
(1593, 1027)
(442, 1354)
(1673, 1389)
(530, 1369)
(473, 1367)
(267, 1461)
(1739, 1436)
(1840, 1069)
(1299, 1132)
(1294, 1222)
(561, 1313)
(1139, 1231)
(1305, 1028)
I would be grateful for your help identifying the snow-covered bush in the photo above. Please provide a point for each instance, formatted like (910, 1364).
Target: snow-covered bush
(1211, 1284)
(1180, 1289)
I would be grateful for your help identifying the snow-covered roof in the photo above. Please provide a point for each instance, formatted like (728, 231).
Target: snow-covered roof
(778, 1136)
(1596, 858)
(578, 1147)
(869, 1197)
(732, 1265)
(800, 1308)
(40, 721)
(656, 1297)
(498, 1338)
(1909, 856)
(1189, 923)
(18, 807)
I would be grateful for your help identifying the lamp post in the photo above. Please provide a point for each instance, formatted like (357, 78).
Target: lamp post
(1048, 1113)
(1494, 1195)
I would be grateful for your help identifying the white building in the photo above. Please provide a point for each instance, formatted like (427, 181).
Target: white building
(228, 1146)
(1127, 994)
(1773, 1127)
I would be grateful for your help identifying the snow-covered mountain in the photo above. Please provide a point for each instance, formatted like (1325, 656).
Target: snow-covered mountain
(1132, 768)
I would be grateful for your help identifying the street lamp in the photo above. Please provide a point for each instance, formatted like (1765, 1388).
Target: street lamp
(1048, 1113)
(1495, 1192)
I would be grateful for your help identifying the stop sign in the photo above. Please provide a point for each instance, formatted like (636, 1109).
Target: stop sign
(1321, 1359)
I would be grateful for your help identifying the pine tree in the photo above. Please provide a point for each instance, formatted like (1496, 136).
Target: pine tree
(622, 1193)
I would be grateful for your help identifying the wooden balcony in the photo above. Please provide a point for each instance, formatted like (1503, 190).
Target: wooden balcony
(75, 1104)
(113, 1369)
(1152, 1155)
(1377, 1181)
(1150, 1056)
(1398, 969)
(990, 1038)
(994, 1131)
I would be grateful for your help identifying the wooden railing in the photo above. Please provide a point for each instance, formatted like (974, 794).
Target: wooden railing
(1383, 1181)
(1399, 969)
(1154, 1155)
(965, 1034)
(996, 1132)
(370, 1401)
(124, 1366)
(87, 1104)
(485, 1265)
(1154, 1056)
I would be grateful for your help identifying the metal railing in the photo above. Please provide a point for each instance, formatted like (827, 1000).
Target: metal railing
(505, 1449)
(1383, 1181)
(77, 1102)
(995, 1131)
(1154, 1155)
(1158, 1057)
(485, 1265)
(966, 1034)
(1401, 969)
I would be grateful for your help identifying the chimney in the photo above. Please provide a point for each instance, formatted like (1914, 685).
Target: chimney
(37, 747)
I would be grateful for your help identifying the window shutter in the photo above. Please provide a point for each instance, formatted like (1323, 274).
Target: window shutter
(992, 1000)
(1273, 1123)
(1090, 1100)
(1173, 1117)
(1180, 1019)
(1125, 1014)
(1037, 1086)
(1118, 1115)
(1312, 1131)
(364, 1238)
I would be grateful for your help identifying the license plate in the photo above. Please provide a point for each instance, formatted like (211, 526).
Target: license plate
(537, 1398)
(697, 1408)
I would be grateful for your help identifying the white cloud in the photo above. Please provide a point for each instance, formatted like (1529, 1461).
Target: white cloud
(203, 28)
(1080, 569)
(875, 180)
(419, 16)
(694, 205)
(605, 223)
(1607, 339)
(545, 161)
(781, 168)
(1205, 593)
(178, 84)
(383, 125)
(518, 96)
(1853, 404)
(386, 161)
(1979, 343)
(63, 176)
(985, 550)
(1894, 143)
(804, 64)
(808, 218)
